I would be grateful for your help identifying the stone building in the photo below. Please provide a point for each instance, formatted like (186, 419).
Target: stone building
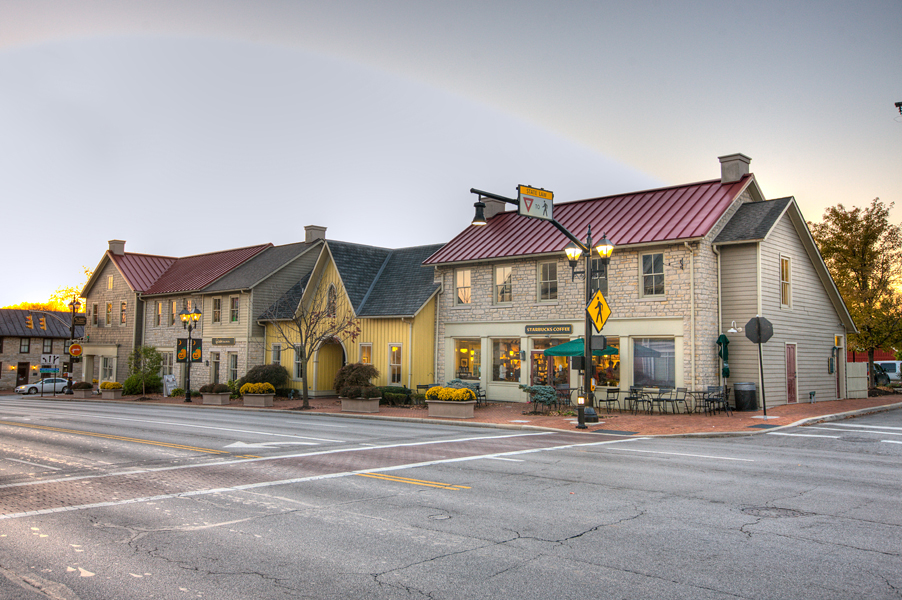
(689, 260)
(21, 346)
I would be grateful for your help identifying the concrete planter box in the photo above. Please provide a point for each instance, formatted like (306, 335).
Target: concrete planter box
(258, 400)
(219, 399)
(111, 394)
(360, 405)
(83, 394)
(451, 409)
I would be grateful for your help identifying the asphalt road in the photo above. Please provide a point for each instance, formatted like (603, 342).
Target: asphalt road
(132, 501)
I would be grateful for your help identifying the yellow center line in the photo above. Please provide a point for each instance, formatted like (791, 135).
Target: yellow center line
(435, 484)
(120, 438)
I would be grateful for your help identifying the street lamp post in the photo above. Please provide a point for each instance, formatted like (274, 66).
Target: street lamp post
(74, 305)
(574, 251)
(189, 322)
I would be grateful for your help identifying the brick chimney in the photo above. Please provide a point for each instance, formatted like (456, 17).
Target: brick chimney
(314, 233)
(733, 167)
(117, 247)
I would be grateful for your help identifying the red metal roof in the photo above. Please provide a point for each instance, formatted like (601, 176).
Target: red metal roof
(666, 214)
(141, 270)
(199, 271)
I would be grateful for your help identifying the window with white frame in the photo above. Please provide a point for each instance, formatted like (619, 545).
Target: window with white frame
(123, 311)
(173, 312)
(506, 359)
(217, 310)
(158, 318)
(24, 345)
(654, 362)
(503, 285)
(48, 346)
(366, 354)
(652, 274)
(785, 281)
(166, 364)
(599, 280)
(106, 368)
(109, 314)
(463, 284)
(94, 310)
(276, 354)
(233, 309)
(394, 363)
(233, 366)
(109, 282)
(547, 281)
(298, 363)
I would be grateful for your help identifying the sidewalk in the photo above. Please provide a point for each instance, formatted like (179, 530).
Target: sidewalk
(519, 416)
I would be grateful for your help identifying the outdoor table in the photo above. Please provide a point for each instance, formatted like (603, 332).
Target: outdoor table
(698, 400)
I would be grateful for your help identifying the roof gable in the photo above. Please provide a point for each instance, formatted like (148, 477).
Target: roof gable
(752, 221)
(259, 267)
(403, 285)
(675, 213)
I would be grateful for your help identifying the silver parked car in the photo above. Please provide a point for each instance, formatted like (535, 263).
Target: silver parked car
(51, 385)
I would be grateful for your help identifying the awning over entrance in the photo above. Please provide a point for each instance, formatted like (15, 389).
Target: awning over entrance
(578, 348)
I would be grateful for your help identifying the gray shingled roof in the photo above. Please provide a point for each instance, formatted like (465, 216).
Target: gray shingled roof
(403, 285)
(12, 324)
(752, 221)
(259, 267)
(359, 267)
(284, 307)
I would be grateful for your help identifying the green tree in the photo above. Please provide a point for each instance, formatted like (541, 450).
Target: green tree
(144, 363)
(863, 252)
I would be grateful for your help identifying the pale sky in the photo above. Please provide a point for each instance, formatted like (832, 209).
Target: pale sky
(190, 127)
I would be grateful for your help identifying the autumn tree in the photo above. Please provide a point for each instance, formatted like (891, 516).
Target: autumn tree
(863, 252)
(308, 316)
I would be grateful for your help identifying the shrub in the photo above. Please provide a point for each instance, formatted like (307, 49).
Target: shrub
(82, 385)
(541, 394)
(177, 392)
(257, 388)
(111, 385)
(214, 388)
(357, 391)
(450, 394)
(234, 388)
(354, 374)
(286, 392)
(460, 383)
(137, 384)
(393, 398)
(275, 374)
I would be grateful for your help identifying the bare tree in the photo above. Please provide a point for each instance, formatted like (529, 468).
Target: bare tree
(307, 318)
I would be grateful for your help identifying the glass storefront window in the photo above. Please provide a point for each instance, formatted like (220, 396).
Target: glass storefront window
(654, 362)
(468, 358)
(607, 367)
(557, 366)
(506, 360)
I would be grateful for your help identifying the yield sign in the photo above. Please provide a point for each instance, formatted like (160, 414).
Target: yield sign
(598, 310)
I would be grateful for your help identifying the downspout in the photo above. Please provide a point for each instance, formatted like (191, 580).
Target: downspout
(719, 305)
(692, 307)
(409, 351)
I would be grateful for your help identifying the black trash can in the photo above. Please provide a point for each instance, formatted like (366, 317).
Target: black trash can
(746, 395)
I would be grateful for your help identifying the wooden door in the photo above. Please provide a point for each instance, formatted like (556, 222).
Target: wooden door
(791, 385)
(22, 374)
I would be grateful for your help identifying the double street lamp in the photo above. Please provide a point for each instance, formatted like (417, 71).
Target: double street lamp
(574, 251)
(189, 322)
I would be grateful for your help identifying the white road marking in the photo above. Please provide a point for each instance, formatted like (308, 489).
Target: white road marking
(867, 426)
(266, 484)
(684, 454)
(891, 441)
(803, 434)
(507, 459)
(25, 462)
(268, 444)
(855, 430)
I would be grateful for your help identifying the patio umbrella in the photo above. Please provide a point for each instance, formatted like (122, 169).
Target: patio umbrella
(724, 353)
(578, 348)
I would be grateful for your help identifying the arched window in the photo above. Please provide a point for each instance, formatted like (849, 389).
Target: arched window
(330, 302)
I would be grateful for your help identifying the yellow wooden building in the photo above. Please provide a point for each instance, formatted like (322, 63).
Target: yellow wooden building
(391, 299)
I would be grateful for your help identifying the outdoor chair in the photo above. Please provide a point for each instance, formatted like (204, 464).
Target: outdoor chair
(675, 399)
(660, 398)
(716, 400)
(612, 396)
(637, 398)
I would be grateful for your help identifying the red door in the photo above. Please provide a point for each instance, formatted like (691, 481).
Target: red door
(791, 388)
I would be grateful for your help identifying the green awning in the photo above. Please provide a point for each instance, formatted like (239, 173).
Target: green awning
(578, 348)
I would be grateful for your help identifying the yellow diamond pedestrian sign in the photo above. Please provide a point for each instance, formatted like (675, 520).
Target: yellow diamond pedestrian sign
(598, 310)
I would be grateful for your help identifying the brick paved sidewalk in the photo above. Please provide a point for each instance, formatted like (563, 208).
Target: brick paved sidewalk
(519, 415)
